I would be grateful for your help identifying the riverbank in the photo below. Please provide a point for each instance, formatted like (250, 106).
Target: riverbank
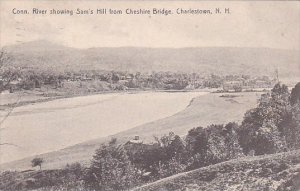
(22, 98)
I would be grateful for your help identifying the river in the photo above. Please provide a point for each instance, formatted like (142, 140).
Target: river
(53, 125)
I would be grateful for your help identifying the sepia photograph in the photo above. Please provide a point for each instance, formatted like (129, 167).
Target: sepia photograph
(99, 95)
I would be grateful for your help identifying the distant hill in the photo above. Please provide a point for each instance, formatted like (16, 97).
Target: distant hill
(278, 172)
(221, 60)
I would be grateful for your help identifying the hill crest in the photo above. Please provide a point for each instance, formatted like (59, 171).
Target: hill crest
(206, 60)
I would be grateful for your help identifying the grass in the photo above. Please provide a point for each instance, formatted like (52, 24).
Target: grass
(280, 172)
(59, 179)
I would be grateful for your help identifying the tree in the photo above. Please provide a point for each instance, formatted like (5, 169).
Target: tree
(37, 162)
(238, 88)
(214, 144)
(197, 141)
(295, 94)
(280, 103)
(111, 169)
(177, 149)
(291, 124)
(233, 147)
(268, 127)
(222, 143)
(269, 140)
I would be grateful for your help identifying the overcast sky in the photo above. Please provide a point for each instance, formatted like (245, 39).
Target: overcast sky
(250, 24)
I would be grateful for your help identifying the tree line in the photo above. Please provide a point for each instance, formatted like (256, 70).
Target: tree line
(15, 78)
(28, 79)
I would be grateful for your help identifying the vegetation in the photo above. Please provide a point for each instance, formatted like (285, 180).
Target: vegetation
(7, 72)
(213, 144)
(68, 178)
(274, 124)
(295, 94)
(111, 169)
(37, 162)
(276, 172)
(88, 81)
(272, 127)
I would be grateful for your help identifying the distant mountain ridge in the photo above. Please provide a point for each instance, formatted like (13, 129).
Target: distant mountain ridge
(218, 60)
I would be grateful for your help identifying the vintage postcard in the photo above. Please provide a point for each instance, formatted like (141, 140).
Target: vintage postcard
(149, 95)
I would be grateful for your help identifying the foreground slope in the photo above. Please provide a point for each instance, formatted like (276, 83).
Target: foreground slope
(276, 172)
(280, 172)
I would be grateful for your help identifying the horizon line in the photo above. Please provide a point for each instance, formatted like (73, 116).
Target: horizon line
(147, 47)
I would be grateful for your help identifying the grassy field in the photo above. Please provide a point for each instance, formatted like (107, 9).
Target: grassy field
(277, 172)
(202, 111)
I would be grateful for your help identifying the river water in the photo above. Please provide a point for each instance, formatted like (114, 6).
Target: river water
(44, 127)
